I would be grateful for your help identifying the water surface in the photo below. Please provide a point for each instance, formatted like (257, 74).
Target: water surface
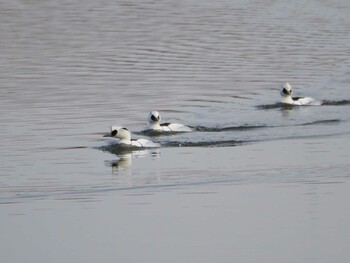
(255, 181)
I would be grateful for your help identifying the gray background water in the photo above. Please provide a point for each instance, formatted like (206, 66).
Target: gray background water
(278, 191)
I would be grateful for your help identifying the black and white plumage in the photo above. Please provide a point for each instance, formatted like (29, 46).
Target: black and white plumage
(286, 94)
(124, 137)
(155, 125)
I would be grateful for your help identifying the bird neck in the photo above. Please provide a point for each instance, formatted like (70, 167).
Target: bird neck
(154, 125)
(125, 137)
(287, 99)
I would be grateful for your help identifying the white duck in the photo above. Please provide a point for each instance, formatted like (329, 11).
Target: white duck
(124, 137)
(155, 125)
(286, 94)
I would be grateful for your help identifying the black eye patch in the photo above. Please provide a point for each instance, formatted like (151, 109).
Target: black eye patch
(114, 132)
(285, 91)
(153, 118)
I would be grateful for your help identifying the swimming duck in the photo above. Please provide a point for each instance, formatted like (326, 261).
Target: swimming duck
(155, 125)
(286, 93)
(124, 137)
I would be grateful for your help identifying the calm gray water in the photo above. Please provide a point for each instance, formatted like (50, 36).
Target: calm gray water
(255, 182)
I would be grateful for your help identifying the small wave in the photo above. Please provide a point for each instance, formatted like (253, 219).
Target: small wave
(228, 143)
(336, 102)
(278, 105)
(331, 121)
(152, 133)
(119, 149)
(233, 128)
(284, 106)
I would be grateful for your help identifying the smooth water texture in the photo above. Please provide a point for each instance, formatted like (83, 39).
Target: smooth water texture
(256, 181)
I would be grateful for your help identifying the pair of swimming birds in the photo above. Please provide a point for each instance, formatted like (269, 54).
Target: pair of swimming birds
(154, 124)
(154, 121)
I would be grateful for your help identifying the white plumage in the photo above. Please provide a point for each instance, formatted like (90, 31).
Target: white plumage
(124, 137)
(286, 94)
(155, 125)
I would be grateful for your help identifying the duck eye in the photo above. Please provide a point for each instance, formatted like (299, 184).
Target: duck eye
(153, 118)
(114, 132)
(285, 91)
